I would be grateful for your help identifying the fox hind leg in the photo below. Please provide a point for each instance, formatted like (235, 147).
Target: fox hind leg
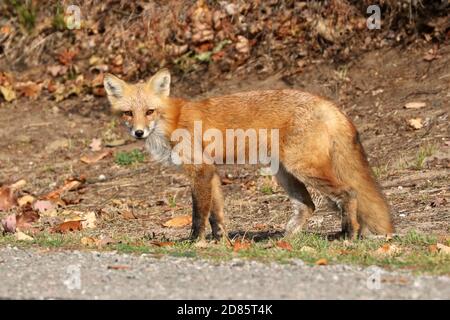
(216, 218)
(301, 200)
(347, 202)
(323, 179)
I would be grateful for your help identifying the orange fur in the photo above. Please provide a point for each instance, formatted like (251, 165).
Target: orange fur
(318, 145)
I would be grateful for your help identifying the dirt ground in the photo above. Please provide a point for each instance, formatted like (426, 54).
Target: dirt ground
(42, 141)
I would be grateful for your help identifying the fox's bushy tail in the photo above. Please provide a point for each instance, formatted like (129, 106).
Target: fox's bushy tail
(352, 168)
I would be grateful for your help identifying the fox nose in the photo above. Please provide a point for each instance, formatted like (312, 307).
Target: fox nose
(139, 133)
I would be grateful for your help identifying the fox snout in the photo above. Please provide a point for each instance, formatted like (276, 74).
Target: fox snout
(140, 133)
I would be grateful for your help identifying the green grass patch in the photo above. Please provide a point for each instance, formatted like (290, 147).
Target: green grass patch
(25, 12)
(124, 158)
(413, 253)
(422, 154)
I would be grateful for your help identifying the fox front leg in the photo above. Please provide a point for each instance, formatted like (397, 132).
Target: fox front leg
(201, 200)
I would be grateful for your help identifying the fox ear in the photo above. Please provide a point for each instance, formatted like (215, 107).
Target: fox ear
(160, 82)
(114, 86)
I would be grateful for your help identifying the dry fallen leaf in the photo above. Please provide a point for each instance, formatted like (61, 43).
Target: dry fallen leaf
(442, 248)
(128, 215)
(68, 226)
(261, 226)
(89, 220)
(96, 144)
(415, 123)
(387, 250)
(241, 245)
(322, 262)
(284, 245)
(95, 157)
(309, 250)
(433, 248)
(226, 181)
(9, 223)
(178, 222)
(57, 70)
(8, 93)
(29, 89)
(88, 241)
(22, 201)
(7, 198)
(119, 267)
(23, 237)
(26, 218)
(104, 241)
(43, 205)
(99, 243)
(163, 243)
(415, 105)
(66, 56)
(69, 185)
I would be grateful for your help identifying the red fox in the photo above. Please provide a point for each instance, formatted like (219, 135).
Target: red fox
(318, 146)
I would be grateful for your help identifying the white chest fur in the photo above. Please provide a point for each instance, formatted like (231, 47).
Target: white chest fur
(159, 146)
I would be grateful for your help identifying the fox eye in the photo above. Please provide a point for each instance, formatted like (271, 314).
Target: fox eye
(128, 113)
(149, 112)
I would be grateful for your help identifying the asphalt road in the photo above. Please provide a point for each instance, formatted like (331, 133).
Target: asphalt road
(39, 274)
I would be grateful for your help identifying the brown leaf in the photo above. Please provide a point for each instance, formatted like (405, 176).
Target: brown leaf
(26, 218)
(68, 226)
(284, 245)
(308, 250)
(57, 70)
(23, 237)
(7, 198)
(5, 30)
(433, 248)
(89, 220)
(439, 201)
(226, 181)
(239, 245)
(66, 56)
(261, 226)
(90, 159)
(22, 201)
(69, 185)
(415, 105)
(163, 243)
(8, 93)
(29, 89)
(128, 215)
(179, 222)
(44, 205)
(431, 55)
(119, 267)
(322, 262)
(96, 144)
(9, 223)
(415, 123)
(442, 248)
(88, 241)
(242, 45)
(104, 241)
(387, 250)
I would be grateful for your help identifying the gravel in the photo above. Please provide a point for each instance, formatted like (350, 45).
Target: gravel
(44, 274)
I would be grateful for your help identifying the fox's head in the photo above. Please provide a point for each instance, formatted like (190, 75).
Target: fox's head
(140, 105)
